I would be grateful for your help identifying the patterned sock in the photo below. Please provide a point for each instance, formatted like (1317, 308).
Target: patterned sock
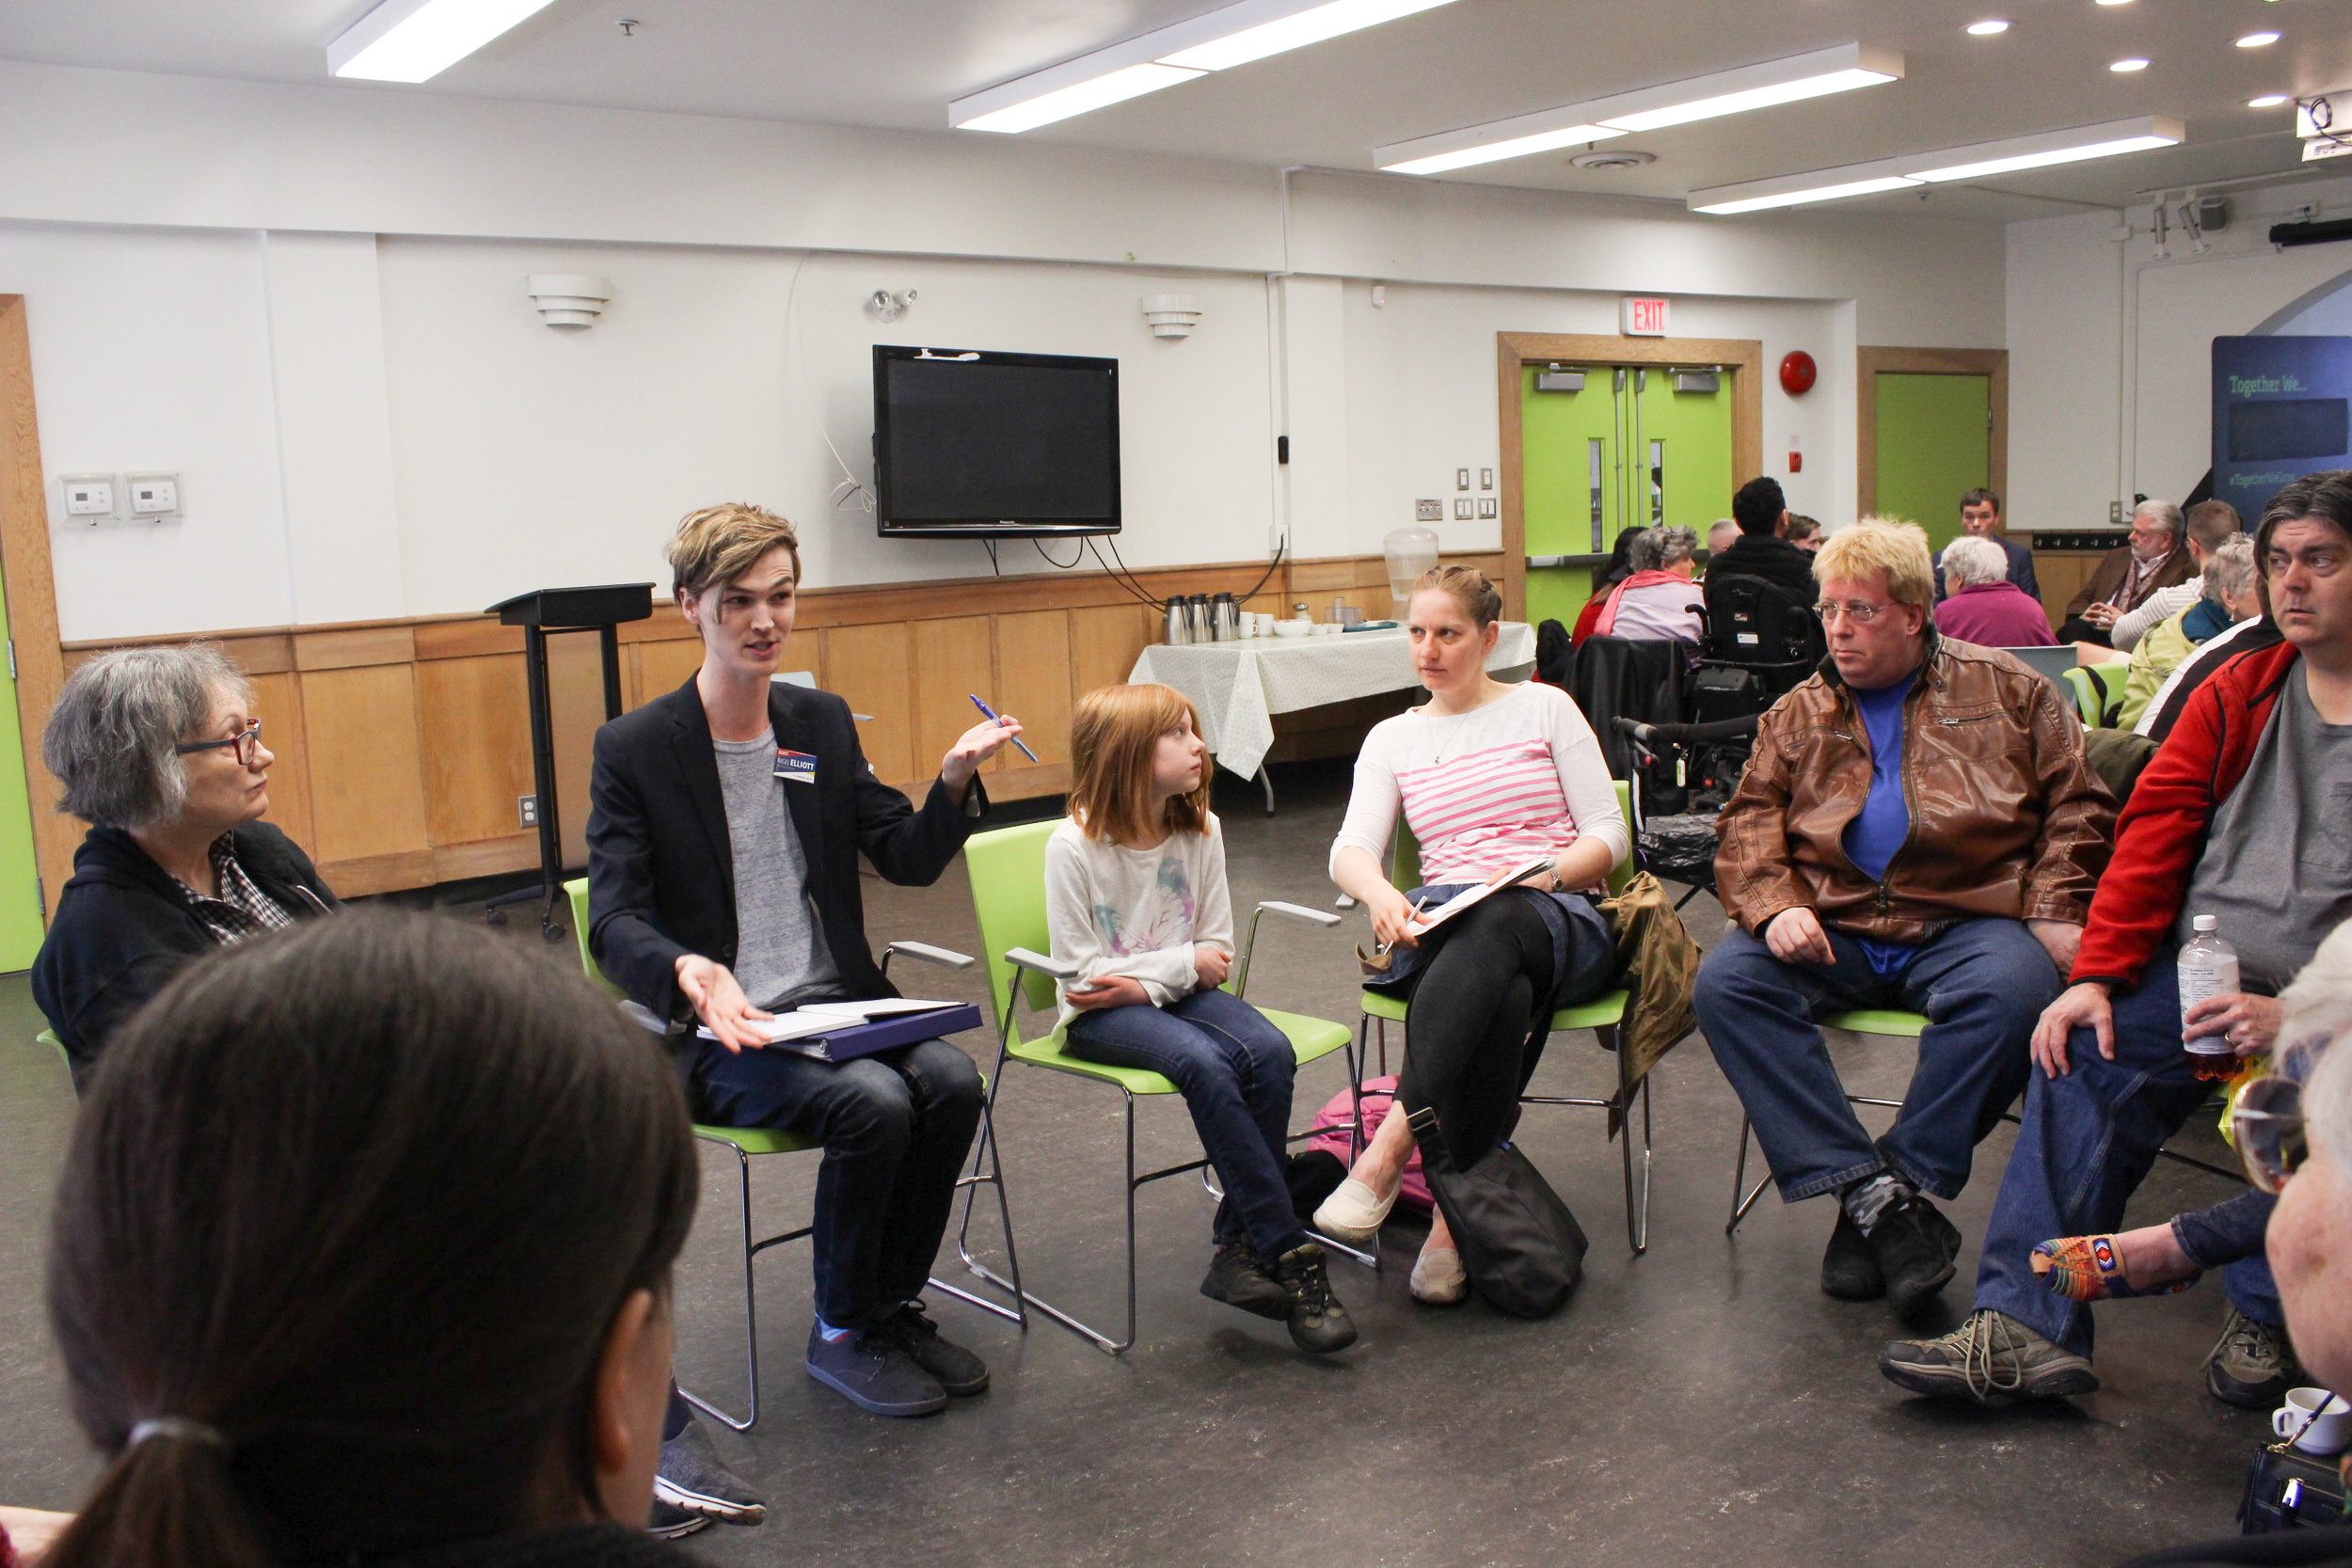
(1871, 1198)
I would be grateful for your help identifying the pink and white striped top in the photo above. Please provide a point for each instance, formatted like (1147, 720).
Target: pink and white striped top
(1484, 790)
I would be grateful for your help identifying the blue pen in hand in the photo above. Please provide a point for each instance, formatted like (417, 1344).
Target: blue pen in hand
(990, 714)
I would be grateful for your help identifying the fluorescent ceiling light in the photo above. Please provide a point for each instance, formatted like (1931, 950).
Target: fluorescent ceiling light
(1232, 36)
(2257, 40)
(1833, 189)
(2268, 100)
(1986, 28)
(1294, 32)
(415, 40)
(1838, 69)
(1955, 163)
(2041, 152)
(2126, 66)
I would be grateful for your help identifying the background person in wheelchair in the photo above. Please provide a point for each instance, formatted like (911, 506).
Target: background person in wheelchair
(1918, 829)
(725, 824)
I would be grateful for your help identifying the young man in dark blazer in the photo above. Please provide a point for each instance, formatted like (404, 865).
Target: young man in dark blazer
(723, 830)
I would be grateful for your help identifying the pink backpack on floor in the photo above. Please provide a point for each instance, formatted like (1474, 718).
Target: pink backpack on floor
(1331, 1128)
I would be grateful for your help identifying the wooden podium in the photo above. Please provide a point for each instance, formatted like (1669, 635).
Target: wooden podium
(562, 610)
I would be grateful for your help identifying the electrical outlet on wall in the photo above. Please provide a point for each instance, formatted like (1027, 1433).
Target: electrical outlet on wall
(527, 810)
(1485, 506)
(1429, 510)
(1462, 510)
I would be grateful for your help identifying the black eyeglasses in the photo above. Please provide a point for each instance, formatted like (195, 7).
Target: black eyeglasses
(247, 741)
(2266, 1124)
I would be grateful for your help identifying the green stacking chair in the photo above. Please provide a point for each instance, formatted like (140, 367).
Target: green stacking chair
(1007, 869)
(49, 1038)
(2099, 692)
(1603, 1014)
(747, 1142)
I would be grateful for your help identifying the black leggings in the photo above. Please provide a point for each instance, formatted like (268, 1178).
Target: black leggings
(1466, 1027)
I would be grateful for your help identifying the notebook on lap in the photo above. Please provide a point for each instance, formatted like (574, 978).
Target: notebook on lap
(843, 1031)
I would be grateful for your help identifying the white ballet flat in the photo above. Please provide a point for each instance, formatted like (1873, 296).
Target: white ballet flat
(1437, 1277)
(1353, 1215)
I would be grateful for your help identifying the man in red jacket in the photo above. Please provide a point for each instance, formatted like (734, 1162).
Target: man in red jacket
(2245, 813)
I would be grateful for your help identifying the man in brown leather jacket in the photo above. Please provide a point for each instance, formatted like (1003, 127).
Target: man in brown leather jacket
(1918, 829)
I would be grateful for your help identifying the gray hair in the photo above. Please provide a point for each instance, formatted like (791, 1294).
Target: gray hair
(1725, 530)
(1677, 544)
(2229, 569)
(110, 739)
(2318, 1014)
(2164, 512)
(1969, 560)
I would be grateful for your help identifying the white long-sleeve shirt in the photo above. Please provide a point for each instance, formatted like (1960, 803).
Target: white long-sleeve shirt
(1485, 790)
(2157, 607)
(1137, 912)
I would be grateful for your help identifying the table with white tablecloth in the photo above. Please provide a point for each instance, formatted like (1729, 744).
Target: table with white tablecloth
(1238, 687)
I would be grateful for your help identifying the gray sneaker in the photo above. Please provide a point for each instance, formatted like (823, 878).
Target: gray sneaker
(668, 1522)
(1990, 1354)
(692, 1476)
(2253, 1365)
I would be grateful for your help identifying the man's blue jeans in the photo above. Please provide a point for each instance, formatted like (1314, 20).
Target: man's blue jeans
(1235, 1070)
(1981, 984)
(2088, 1141)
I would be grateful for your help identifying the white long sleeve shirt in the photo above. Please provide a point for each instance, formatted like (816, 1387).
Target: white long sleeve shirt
(1485, 790)
(1137, 912)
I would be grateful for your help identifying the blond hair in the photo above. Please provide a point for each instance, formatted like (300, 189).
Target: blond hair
(1467, 586)
(718, 543)
(1876, 545)
(1113, 737)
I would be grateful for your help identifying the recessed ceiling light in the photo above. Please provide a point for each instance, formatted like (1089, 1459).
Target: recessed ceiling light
(415, 40)
(1230, 36)
(2268, 100)
(2115, 2)
(2256, 40)
(1838, 69)
(2130, 65)
(1986, 28)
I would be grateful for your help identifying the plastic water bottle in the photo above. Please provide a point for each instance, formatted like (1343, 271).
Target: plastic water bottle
(2208, 967)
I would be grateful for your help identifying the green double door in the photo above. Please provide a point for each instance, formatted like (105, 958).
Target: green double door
(1626, 449)
(1934, 444)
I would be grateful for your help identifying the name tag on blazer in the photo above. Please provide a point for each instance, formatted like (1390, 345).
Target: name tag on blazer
(796, 766)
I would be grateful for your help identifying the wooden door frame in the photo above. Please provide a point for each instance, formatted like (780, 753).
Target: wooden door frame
(32, 596)
(1992, 363)
(1515, 351)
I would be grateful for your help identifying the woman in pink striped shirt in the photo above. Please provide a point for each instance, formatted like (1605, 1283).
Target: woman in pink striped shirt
(1490, 778)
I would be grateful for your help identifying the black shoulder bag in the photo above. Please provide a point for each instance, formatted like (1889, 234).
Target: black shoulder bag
(1520, 1247)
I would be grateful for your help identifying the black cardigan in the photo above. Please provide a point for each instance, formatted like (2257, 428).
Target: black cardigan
(123, 929)
(661, 868)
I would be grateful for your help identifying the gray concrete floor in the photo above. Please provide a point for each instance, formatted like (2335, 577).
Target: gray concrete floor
(1705, 1403)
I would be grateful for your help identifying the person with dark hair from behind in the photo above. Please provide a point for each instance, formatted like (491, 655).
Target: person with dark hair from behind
(2240, 816)
(1620, 567)
(1762, 511)
(1980, 519)
(361, 1255)
(727, 819)
(160, 751)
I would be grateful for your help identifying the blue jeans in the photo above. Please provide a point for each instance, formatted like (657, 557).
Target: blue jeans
(1981, 984)
(2088, 1141)
(1235, 1070)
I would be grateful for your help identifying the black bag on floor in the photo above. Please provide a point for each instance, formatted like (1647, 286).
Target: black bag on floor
(2288, 1489)
(1522, 1249)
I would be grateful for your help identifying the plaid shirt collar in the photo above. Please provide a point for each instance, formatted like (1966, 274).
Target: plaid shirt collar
(243, 910)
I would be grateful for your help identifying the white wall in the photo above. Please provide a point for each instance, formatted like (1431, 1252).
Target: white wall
(2110, 346)
(311, 301)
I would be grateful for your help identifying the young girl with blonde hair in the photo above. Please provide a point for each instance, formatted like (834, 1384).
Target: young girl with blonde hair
(1135, 896)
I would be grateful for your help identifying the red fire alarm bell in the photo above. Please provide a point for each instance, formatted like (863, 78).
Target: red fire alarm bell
(1797, 374)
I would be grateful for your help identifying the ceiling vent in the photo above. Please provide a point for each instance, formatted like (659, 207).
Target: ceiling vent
(1613, 159)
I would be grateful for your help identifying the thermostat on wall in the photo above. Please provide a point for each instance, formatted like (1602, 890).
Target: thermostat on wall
(88, 496)
(154, 497)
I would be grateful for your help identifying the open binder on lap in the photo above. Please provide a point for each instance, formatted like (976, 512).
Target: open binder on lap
(843, 1031)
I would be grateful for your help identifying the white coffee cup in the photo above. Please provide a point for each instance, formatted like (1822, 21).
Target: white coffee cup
(2317, 1420)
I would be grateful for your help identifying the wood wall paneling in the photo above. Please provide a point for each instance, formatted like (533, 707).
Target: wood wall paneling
(950, 659)
(1033, 683)
(576, 705)
(477, 753)
(32, 596)
(1105, 640)
(278, 701)
(663, 667)
(871, 669)
(366, 771)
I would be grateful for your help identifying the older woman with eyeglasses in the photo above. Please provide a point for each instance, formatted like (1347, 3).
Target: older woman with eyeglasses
(160, 752)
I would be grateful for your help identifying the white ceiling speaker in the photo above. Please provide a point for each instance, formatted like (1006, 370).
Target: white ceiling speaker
(568, 300)
(1172, 315)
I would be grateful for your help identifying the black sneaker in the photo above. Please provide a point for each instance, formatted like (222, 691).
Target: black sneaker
(1850, 1269)
(692, 1478)
(873, 1374)
(1916, 1248)
(668, 1521)
(2251, 1365)
(1317, 1321)
(1237, 1279)
(957, 1370)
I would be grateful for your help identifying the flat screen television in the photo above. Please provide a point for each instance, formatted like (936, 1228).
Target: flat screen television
(983, 445)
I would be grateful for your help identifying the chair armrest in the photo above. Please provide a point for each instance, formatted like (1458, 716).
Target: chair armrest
(1249, 945)
(642, 1016)
(1028, 957)
(946, 957)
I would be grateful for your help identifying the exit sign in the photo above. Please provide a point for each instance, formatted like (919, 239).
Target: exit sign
(1639, 317)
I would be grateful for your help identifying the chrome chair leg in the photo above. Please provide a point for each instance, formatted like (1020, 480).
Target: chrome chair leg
(751, 1312)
